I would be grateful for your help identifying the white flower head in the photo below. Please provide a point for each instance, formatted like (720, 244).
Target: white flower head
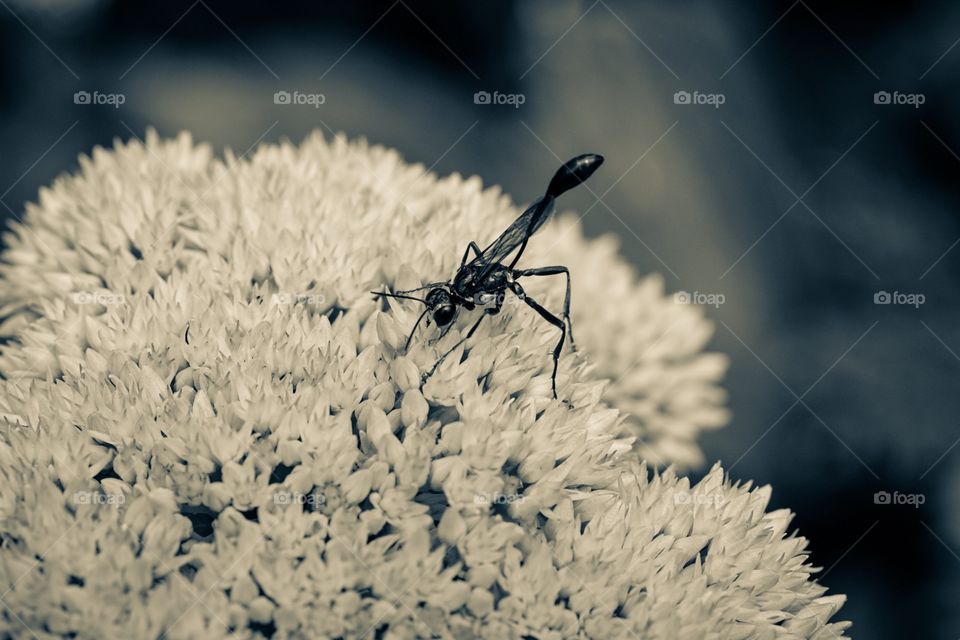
(208, 426)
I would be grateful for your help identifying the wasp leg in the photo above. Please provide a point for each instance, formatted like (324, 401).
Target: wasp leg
(492, 311)
(443, 333)
(406, 346)
(476, 249)
(554, 271)
(552, 319)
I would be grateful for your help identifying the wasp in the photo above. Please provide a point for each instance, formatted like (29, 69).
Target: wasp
(485, 279)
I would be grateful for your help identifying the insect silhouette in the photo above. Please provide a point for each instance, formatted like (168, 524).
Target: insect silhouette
(484, 281)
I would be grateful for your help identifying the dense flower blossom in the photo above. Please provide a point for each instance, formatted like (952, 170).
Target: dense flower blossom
(208, 427)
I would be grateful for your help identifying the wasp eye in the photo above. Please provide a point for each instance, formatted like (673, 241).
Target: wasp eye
(443, 315)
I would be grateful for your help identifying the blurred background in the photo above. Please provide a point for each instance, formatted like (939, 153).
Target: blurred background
(792, 164)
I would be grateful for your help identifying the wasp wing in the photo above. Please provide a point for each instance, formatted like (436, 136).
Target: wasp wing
(522, 228)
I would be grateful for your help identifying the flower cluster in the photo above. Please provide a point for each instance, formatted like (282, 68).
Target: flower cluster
(208, 427)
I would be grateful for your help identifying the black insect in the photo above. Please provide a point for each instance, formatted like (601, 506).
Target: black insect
(485, 280)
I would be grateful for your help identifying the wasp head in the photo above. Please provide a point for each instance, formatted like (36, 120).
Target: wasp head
(441, 305)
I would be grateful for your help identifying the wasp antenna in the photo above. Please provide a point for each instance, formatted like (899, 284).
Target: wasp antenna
(426, 286)
(384, 294)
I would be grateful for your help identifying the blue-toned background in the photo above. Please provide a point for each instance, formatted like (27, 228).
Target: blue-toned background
(796, 160)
